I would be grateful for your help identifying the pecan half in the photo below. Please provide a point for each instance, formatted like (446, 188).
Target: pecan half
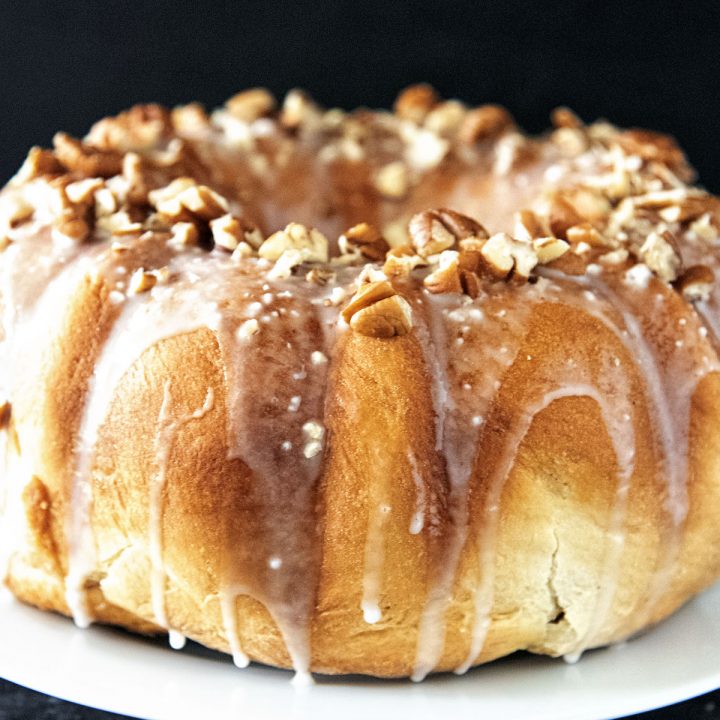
(376, 310)
(433, 231)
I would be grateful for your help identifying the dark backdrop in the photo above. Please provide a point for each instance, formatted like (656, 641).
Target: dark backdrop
(656, 64)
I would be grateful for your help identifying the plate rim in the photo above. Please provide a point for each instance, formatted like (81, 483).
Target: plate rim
(95, 642)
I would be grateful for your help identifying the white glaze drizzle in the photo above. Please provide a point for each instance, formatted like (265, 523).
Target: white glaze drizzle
(143, 322)
(457, 430)
(417, 521)
(228, 609)
(669, 390)
(169, 425)
(618, 429)
(374, 556)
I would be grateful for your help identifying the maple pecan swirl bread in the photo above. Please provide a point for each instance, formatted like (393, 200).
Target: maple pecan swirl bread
(268, 382)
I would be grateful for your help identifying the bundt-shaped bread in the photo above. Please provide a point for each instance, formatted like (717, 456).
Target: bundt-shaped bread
(269, 384)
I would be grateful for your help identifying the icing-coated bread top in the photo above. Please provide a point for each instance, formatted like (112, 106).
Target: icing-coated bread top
(360, 392)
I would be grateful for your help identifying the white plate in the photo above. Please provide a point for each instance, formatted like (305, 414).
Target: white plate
(116, 671)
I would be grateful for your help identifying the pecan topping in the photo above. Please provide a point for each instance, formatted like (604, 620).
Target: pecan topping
(562, 216)
(506, 256)
(182, 199)
(141, 281)
(415, 102)
(548, 249)
(564, 117)
(433, 231)
(445, 118)
(587, 233)
(298, 109)
(696, 282)
(446, 276)
(364, 239)
(309, 242)
(85, 159)
(483, 123)
(229, 231)
(378, 311)
(143, 127)
(527, 225)
(39, 163)
(659, 254)
(654, 146)
(251, 104)
(392, 180)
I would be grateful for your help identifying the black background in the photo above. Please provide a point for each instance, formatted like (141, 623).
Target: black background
(652, 64)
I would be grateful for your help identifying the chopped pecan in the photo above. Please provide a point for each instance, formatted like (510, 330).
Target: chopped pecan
(5, 414)
(367, 294)
(39, 163)
(401, 261)
(249, 105)
(286, 263)
(564, 117)
(433, 231)
(415, 102)
(141, 128)
(562, 216)
(320, 276)
(364, 239)
(445, 119)
(445, 278)
(83, 191)
(71, 226)
(384, 319)
(511, 151)
(378, 311)
(655, 147)
(392, 180)
(311, 243)
(483, 123)
(659, 253)
(84, 159)
(527, 225)
(183, 198)
(190, 118)
(691, 208)
(299, 110)
(587, 233)
(185, 234)
(696, 282)
(615, 257)
(229, 231)
(141, 281)
(549, 249)
(506, 256)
